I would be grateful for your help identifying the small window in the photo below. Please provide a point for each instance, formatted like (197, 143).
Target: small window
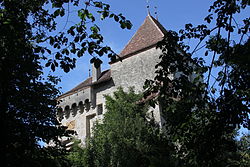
(99, 109)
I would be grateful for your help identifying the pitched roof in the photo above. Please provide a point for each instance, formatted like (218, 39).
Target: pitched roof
(149, 33)
(105, 76)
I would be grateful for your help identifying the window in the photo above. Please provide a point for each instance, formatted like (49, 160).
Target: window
(90, 121)
(99, 109)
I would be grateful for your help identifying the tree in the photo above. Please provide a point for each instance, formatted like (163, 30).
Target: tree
(244, 150)
(28, 38)
(202, 115)
(126, 136)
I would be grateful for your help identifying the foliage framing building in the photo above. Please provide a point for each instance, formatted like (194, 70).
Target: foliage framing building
(85, 104)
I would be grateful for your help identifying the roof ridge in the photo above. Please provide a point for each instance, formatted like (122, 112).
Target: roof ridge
(133, 35)
(84, 84)
(158, 25)
(149, 33)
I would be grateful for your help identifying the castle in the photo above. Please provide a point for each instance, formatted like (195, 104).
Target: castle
(85, 103)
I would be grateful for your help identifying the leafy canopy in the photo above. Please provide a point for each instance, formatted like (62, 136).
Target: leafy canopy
(126, 136)
(205, 98)
(30, 36)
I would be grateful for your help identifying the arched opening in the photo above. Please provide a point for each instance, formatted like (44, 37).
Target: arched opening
(74, 109)
(59, 114)
(81, 107)
(87, 104)
(67, 112)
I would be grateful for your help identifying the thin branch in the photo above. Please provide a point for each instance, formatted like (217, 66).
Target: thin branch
(67, 19)
(215, 80)
(237, 25)
(241, 38)
(211, 65)
(195, 49)
(227, 52)
(200, 48)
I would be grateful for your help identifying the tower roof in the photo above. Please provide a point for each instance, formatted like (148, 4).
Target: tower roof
(147, 36)
(149, 33)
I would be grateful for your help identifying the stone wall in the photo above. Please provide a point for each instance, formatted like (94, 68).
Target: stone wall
(76, 98)
(80, 116)
(134, 70)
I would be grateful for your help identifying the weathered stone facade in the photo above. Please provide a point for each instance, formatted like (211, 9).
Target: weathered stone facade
(85, 104)
(134, 70)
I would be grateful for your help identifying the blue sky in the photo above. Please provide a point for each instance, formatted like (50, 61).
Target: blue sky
(173, 15)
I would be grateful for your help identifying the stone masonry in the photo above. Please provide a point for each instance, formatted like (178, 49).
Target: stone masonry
(82, 106)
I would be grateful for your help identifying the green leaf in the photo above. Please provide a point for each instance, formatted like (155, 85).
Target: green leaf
(57, 12)
(111, 15)
(206, 53)
(47, 64)
(92, 60)
(62, 12)
(83, 44)
(79, 53)
(122, 24)
(128, 24)
(52, 67)
(76, 39)
(58, 55)
(116, 18)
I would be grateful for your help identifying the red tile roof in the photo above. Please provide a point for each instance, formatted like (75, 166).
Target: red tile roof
(149, 33)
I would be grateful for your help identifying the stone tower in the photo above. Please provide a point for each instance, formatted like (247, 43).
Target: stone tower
(85, 103)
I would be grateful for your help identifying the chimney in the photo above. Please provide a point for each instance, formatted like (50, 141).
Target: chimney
(96, 71)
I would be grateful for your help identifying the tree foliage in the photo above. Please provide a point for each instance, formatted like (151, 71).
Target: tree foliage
(244, 150)
(203, 103)
(126, 137)
(201, 113)
(29, 36)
